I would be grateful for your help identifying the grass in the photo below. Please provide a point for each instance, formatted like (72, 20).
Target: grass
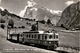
(70, 39)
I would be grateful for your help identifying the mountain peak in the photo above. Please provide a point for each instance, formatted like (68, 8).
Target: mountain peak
(31, 3)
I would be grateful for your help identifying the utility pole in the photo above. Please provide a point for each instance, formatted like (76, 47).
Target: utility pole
(7, 31)
(37, 25)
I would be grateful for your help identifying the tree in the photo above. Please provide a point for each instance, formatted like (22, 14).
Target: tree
(3, 13)
(2, 26)
(48, 21)
(2, 20)
(23, 27)
(33, 28)
(43, 22)
(11, 23)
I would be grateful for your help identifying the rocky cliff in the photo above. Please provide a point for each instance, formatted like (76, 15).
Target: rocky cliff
(70, 18)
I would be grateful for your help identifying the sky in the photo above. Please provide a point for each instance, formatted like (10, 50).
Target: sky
(16, 6)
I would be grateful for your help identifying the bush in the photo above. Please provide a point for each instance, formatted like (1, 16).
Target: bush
(3, 13)
(48, 21)
(19, 27)
(43, 22)
(23, 26)
(2, 26)
(15, 27)
(33, 28)
(2, 20)
(11, 23)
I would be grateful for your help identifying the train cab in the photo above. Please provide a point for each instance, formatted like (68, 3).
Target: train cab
(49, 39)
(40, 38)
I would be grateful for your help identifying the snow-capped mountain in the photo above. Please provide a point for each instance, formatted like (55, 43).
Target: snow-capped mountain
(34, 11)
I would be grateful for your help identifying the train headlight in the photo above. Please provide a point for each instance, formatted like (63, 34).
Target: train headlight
(56, 34)
(41, 32)
(49, 42)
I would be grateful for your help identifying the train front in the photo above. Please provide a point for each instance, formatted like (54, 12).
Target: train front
(51, 39)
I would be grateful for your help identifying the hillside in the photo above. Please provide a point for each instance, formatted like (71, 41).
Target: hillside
(19, 21)
(6, 16)
(70, 18)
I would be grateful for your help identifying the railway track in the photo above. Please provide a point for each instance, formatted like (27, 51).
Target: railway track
(40, 47)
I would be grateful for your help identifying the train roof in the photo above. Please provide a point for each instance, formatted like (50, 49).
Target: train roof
(31, 32)
(39, 32)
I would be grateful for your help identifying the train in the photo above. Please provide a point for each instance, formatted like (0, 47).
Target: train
(37, 37)
(50, 40)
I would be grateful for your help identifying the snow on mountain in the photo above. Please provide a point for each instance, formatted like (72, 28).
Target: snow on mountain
(1, 8)
(34, 11)
(30, 3)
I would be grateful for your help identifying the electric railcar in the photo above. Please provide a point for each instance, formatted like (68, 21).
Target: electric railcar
(49, 40)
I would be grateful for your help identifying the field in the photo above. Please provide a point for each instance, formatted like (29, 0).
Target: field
(70, 39)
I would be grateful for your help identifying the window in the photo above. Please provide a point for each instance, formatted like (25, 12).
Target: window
(29, 36)
(38, 36)
(32, 36)
(45, 37)
(35, 36)
(50, 36)
(56, 36)
(22, 34)
(42, 37)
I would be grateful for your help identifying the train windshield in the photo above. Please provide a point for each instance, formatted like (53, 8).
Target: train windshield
(41, 32)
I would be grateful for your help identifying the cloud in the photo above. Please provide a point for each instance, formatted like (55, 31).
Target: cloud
(31, 3)
(54, 11)
(1, 7)
(69, 2)
(0, 1)
(57, 11)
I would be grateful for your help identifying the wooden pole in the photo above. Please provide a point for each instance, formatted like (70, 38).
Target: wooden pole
(7, 31)
(37, 25)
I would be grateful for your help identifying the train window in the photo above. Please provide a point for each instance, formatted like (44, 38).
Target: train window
(45, 37)
(38, 36)
(50, 36)
(29, 36)
(35, 36)
(56, 36)
(42, 37)
(32, 36)
(22, 34)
